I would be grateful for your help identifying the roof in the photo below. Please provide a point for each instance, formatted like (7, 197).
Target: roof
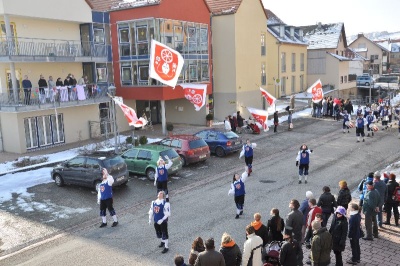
(381, 46)
(227, 7)
(353, 53)
(287, 38)
(395, 47)
(339, 57)
(107, 5)
(272, 18)
(324, 36)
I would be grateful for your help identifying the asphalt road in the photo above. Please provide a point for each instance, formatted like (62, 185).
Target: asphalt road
(200, 204)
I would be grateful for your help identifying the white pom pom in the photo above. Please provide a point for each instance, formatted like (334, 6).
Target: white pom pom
(254, 145)
(245, 173)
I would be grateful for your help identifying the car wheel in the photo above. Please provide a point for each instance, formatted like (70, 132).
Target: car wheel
(97, 185)
(366, 84)
(183, 160)
(219, 151)
(59, 180)
(150, 173)
(124, 184)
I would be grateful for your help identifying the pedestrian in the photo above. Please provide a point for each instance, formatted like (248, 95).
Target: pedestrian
(210, 257)
(303, 156)
(370, 209)
(27, 86)
(275, 226)
(385, 117)
(161, 175)
(105, 199)
(179, 260)
(42, 85)
(304, 208)
(247, 151)
(252, 251)
(346, 121)
(354, 233)
(292, 100)
(381, 187)
(240, 120)
(227, 124)
(321, 245)
(327, 203)
(314, 210)
(159, 212)
(230, 250)
(232, 122)
(290, 120)
(338, 230)
(290, 252)
(294, 220)
(360, 123)
(276, 121)
(260, 229)
(370, 119)
(197, 247)
(391, 202)
(235, 122)
(238, 190)
(344, 195)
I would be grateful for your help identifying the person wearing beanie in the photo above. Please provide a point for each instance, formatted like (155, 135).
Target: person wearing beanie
(303, 158)
(304, 208)
(327, 202)
(362, 187)
(260, 229)
(354, 233)
(372, 200)
(230, 250)
(161, 176)
(159, 212)
(338, 230)
(360, 123)
(391, 203)
(291, 252)
(344, 196)
(238, 190)
(381, 187)
(386, 177)
(321, 245)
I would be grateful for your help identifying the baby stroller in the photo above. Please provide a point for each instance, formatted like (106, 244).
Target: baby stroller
(251, 128)
(272, 252)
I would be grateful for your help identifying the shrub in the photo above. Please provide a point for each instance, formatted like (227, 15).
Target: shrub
(143, 140)
(129, 140)
(170, 126)
(26, 161)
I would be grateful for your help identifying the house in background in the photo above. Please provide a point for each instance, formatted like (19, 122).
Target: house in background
(239, 32)
(326, 58)
(393, 46)
(38, 39)
(286, 57)
(377, 54)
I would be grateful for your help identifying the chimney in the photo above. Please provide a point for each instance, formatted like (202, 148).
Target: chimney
(292, 33)
(360, 35)
(301, 34)
(319, 25)
(282, 31)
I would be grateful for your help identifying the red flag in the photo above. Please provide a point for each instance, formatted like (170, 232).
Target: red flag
(130, 115)
(268, 97)
(196, 94)
(316, 90)
(260, 116)
(165, 64)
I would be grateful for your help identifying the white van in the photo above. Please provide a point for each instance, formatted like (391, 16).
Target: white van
(364, 80)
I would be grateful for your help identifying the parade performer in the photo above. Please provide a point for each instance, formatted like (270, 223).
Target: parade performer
(161, 175)
(360, 123)
(104, 198)
(238, 190)
(303, 156)
(247, 151)
(346, 121)
(159, 212)
(370, 119)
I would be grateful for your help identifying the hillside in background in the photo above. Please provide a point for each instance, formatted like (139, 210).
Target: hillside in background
(377, 36)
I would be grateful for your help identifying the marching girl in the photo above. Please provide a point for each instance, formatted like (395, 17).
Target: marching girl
(247, 151)
(346, 121)
(238, 190)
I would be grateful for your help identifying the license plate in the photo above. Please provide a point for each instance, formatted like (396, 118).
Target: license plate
(120, 178)
(202, 156)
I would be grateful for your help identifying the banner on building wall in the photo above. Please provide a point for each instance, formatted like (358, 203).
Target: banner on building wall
(261, 116)
(316, 91)
(165, 64)
(195, 93)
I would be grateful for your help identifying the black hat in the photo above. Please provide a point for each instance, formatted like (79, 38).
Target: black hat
(370, 183)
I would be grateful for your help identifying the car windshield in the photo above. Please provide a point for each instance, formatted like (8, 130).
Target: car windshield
(170, 153)
(231, 135)
(198, 143)
(112, 161)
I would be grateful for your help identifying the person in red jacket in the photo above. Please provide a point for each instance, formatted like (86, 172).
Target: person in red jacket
(314, 209)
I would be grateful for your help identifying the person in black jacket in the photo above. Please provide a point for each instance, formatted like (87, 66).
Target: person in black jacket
(354, 233)
(230, 250)
(59, 82)
(239, 122)
(390, 202)
(276, 121)
(290, 252)
(42, 85)
(327, 202)
(275, 226)
(260, 229)
(344, 196)
(338, 230)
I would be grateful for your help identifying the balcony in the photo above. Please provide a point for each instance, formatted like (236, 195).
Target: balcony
(57, 97)
(51, 50)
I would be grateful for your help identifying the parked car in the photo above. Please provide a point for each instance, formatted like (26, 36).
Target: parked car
(190, 148)
(364, 80)
(86, 170)
(220, 142)
(143, 159)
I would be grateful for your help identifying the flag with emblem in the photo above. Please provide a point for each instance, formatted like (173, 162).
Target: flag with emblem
(130, 114)
(268, 97)
(196, 94)
(261, 116)
(316, 91)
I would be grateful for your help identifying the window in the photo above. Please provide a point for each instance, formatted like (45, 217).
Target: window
(193, 72)
(126, 75)
(302, 62)
(263, 75)
(131, 153)
(92, 163)
(98, 35)
(293, 85)
(205, 71)
(263, 50)
(345, 79)
(341, 79)
(362, 45)
(77, 162)
(124, 35)
(176, 143)
(144, 155)
(143, 73)
(376, 56)
(283, 62)
(293, 62)
(141, 34)
(301, 83)
(283, 86)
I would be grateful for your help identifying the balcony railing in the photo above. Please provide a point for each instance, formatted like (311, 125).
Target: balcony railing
(47, 98)
(51, 48)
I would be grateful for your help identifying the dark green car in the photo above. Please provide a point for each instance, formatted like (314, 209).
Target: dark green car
(142, 160)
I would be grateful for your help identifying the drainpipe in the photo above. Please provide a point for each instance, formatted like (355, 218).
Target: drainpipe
(10, 44)
(1, 138)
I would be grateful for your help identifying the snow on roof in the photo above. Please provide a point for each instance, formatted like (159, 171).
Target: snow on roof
(323, 36)
(352, 53)
(272, 18)
(395, 47)
(122, 4)
(339, 57)
(287, 38)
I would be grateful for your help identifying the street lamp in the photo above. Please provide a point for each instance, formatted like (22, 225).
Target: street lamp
(112, 90)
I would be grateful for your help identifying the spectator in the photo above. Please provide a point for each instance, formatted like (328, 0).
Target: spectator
(344, 196)
(179, 261)
(276, 121)
(233, 126)
(314, 210)
(390, 202)
(52, 88)
(83, 80)
(252, 248)
(197, 247)
(304, 208)
(291, 252)
(227, 124)
(362, 187)
(27, 86)
(210, 257)
(275, 226)
(321, 245)
(239, 121)
(235, 122)
(381, 187)
(370, 208)
(59, 82)
(42, 85)
(260, 229)
(294, 221)
(354, 233)
(327, 203)
(338, 230)
(230, 250)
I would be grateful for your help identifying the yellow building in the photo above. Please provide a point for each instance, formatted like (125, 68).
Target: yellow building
(287, 58)
(239, 55)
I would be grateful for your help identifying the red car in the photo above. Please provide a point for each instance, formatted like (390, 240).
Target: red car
(190, 148)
